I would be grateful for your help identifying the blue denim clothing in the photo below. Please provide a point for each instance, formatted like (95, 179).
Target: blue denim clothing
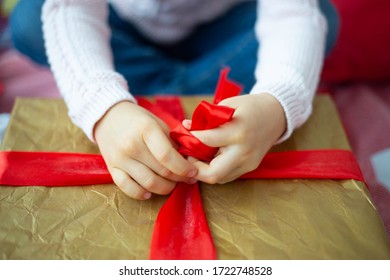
(190, 66)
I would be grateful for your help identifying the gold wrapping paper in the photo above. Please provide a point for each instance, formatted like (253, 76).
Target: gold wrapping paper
(249, 219)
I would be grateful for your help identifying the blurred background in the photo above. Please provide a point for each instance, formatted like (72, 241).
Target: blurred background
(356, 74)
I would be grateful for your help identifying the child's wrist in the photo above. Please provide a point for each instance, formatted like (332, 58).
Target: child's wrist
(277, 115)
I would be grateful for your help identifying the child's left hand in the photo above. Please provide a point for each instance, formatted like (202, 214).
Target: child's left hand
(258, 122)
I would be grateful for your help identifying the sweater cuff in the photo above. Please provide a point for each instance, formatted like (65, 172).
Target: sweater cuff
(295, 108)
(95, 104)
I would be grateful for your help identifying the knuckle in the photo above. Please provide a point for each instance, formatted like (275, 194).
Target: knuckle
(124, 184)
(164, 156)
(166, 173)
(240, 136)
(150, 183)
(157, 186)
(131, 149)
(119, 178)
(147, 128)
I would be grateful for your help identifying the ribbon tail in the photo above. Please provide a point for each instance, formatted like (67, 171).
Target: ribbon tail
(52, 169)
(225, 87)
(181, 231)
(309, 164)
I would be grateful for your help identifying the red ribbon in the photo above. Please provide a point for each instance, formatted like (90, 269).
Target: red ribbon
(56, 169)
(206, 116)
(52, 169)
(181, 230)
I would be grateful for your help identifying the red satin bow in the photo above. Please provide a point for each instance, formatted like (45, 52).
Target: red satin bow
(206, 116)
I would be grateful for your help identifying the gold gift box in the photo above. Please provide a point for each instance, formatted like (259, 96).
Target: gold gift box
(249, 219)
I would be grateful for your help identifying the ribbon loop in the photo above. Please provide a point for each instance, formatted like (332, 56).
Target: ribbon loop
(208, 116)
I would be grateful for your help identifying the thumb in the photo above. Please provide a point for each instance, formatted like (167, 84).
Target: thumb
(216, 137)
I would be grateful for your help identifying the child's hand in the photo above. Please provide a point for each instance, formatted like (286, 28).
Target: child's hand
(138, 152)
(257, 124)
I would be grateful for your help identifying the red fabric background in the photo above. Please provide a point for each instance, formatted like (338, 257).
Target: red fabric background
(362, 51)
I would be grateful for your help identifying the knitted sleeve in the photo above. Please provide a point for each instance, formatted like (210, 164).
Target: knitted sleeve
(76, 37)
(292, 42)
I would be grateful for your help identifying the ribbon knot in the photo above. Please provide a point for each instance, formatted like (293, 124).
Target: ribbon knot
(206, 116)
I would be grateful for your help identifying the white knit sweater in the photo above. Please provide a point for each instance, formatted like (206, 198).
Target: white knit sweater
(292, 35)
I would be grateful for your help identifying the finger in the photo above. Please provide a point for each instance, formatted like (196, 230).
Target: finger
(187, 124)
(217, 137)
(221, 167)
(147, 179)
(150, 161)
(128, 185)
(165, 128)
(162, 149)
(192, 159)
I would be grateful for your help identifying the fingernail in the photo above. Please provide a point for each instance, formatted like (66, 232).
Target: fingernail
(187, 124)
(147, 195)
(192, 173)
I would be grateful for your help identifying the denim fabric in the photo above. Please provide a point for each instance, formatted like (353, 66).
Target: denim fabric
(26, 30)
(190, 66)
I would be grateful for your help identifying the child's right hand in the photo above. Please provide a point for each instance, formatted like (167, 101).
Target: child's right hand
(138, 152)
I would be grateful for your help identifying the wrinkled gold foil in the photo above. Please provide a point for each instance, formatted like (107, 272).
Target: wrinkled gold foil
(249, 219)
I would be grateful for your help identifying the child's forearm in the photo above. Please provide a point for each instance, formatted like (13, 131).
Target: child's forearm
(77, 42)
